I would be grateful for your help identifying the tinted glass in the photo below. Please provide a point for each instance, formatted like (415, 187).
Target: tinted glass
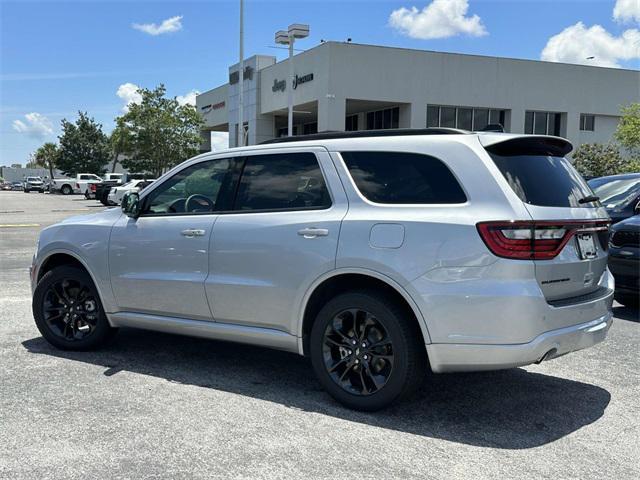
(370, 121)
(540, 123)
(395, 117)
(282, 182)
(433, 116)
(544, 180)
(199, 188)
(397, 178)
(448, 117)
(465, 116)
(480, 116)
(528, 122)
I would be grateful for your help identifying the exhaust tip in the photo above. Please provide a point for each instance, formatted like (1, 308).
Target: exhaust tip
(548, 356)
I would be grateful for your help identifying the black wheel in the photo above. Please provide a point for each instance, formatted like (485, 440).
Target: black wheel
(365, 350)
(26, 191)
(66, 190)
(628, 300)
(68, 312)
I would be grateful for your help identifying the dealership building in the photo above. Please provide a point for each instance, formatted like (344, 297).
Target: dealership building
(345, 86)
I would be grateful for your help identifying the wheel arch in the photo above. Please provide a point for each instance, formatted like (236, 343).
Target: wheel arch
(349, 279)
(61, 257)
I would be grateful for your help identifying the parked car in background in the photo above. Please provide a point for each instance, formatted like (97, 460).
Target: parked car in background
(80, 184)
(377, 254)
(619, 194)
(624, 260)
(17, 186)
(101, 192)
(117, 193)
(33, 183)
(5, 186)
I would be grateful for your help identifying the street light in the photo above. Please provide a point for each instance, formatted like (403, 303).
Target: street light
(295, 31)
(240, 134)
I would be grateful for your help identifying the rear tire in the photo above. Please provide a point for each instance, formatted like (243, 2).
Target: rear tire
(68, 311)
(26, 191)
(366, 350)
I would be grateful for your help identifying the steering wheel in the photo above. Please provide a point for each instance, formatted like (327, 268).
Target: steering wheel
(198, 203)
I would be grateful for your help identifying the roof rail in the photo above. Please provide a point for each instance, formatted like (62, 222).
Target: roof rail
(395, 132)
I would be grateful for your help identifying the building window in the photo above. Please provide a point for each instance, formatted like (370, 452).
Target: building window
(465, 118)
(383, 119)
(310, 128)
(284, 131)
(351, 123)
(542, 123)
(587, 122)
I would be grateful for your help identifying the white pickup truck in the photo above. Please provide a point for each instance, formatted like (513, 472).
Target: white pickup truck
(80, 184)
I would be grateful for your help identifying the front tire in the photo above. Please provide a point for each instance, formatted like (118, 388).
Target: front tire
(68, 311)
(366, 350)
(66, 190)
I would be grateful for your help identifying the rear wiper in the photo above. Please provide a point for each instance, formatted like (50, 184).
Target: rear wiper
(589, 199)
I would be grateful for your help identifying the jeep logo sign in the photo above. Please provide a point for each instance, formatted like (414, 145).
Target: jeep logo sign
(281, 85)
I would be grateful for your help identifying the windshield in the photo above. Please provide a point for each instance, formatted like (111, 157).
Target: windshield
(544, 180)
(33, 179)
(618, 193)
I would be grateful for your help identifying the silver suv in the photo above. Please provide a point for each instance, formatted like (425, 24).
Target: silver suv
(380, 255)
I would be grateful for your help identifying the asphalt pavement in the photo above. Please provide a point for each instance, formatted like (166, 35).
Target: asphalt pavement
(152, 405)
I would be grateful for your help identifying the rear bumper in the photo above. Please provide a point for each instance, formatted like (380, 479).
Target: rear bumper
(473, 357)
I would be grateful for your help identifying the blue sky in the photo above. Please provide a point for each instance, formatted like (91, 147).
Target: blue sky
(60, 57)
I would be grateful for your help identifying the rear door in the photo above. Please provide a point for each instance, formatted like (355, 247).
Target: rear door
(557, 196)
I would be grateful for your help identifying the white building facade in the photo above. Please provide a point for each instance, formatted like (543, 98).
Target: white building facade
(345, 86)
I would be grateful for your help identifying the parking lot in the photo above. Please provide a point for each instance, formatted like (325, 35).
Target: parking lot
(158, 406)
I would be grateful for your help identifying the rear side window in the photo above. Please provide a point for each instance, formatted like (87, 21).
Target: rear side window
(544, 180)
(287, 181)
(403, 178)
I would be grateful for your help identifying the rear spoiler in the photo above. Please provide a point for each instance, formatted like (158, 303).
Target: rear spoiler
(511, 145)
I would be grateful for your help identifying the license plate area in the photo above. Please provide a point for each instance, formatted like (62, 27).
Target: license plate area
(586, 246)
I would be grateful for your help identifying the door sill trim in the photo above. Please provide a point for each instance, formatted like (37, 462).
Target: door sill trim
(264, 337)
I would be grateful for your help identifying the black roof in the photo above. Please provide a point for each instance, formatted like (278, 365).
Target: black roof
(396, 132)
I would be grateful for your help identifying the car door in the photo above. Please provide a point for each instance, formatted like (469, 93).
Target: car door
(160, 260)
(281, 235)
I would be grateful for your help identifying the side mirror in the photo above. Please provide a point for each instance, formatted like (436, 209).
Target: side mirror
(131, 204)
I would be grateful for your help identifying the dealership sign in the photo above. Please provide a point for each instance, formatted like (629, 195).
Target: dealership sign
(281, 85)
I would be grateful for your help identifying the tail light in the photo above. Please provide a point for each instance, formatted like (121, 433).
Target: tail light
(534, 240)
(92, 187)
(77, 185)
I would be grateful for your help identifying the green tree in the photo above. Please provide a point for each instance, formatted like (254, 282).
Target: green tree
(47, 156)
(628, 131)
(119, 141)
(84, 148)
(162, 133)
(597, 160)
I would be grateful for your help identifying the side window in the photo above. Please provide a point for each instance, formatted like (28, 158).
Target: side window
(403, 178)
(286, 181)
(84, 177)
(200, 188)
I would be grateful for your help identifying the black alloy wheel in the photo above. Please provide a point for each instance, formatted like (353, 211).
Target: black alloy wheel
(357, 352)
(68, 311)
(366, 349)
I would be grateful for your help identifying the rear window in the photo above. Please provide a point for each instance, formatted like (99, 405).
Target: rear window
(403, 178)
(544, 180)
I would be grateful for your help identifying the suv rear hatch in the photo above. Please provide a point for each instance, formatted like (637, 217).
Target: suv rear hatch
(567, 237)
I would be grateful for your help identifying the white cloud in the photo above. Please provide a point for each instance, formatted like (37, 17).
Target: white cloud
(439, 19)
(577, 43)
(627, 11)
(129, 93)
(35, 125)
(219, 141)
(170, 25)
(188, 98)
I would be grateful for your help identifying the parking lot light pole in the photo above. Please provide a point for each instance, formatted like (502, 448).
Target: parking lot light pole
(296, 30)
(240, 134)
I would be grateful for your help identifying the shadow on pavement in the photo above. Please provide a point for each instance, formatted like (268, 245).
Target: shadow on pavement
(626, 313)
(510, 409)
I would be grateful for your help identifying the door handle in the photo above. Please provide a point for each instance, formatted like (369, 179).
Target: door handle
(313, 232)
(192, 232)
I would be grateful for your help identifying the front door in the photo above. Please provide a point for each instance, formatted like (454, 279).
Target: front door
(281, 235)
(160, 260)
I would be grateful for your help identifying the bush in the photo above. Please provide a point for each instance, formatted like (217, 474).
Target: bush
(598, 160)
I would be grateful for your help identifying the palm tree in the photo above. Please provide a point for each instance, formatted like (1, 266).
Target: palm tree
(46, 156)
